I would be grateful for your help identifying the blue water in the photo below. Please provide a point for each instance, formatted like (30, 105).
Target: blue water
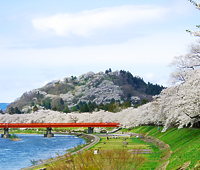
(15, 155)
(3, 106)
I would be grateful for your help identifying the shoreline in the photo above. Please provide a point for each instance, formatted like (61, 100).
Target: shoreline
(92, 138)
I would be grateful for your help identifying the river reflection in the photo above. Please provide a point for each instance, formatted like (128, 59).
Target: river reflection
(15, 155)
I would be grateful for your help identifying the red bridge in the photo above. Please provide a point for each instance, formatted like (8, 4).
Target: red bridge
(49, 126)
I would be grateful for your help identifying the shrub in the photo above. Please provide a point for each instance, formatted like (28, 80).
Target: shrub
(105, 159)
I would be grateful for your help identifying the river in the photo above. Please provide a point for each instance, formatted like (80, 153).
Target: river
(15, 155)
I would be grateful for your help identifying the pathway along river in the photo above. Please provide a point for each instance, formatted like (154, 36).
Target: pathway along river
(15, 155)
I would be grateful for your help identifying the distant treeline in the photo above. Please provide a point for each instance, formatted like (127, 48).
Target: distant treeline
(114, 106)
(130, 84)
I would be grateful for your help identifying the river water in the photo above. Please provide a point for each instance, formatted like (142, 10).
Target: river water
(15, 155)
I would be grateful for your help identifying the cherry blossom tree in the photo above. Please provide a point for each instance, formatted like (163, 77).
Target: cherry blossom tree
(185, 63)
(195, 33)
(178, 105)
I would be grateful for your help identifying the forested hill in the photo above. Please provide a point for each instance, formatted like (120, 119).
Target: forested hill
(104, 90)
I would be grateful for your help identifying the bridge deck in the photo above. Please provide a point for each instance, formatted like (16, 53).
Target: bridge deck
(45, 125)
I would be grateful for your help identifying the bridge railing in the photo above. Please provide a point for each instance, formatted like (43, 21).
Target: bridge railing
(45, 125)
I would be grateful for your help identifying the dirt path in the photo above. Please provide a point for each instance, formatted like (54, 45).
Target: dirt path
(165, 148)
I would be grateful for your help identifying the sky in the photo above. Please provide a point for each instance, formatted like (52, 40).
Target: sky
(45, 40)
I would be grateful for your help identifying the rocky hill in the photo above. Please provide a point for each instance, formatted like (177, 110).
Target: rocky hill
(72, 93)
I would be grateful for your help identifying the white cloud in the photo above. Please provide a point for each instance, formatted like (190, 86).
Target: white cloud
(150, 49)
(86, 22)
(149, 76)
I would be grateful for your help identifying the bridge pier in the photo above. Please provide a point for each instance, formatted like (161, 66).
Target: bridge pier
(49, 134)
(6, 133)
(90, 129)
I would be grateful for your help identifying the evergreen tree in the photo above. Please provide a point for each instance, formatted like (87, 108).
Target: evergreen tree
(112, 101)
(35, 108)
(101, 106)
(47, 103)
(144, 101)
(85, 108)
(91, 107)
(116, 107)
(61, 105)
(11, 110)
(153, 89)
(126, 104)
(66, 110)
(106, 107)
(74, 109)
(32, 103)
(54, 108)
(62, 101)
(95, 105)
(17, 111)
(81, 106)
(111, 108)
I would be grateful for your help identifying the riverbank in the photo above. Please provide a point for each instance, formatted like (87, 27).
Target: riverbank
(173, 149)
(113, 149)
(90, 139)
(184, 146)
(116, 141)
(34, 148)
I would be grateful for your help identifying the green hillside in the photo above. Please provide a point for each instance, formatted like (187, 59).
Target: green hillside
(184, 144)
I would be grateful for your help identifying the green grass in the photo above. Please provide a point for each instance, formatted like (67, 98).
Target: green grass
(29, 131)
(112, 147)
(133, 143)
(184, 143)
(152, 159)
(43, 130)
(118, 143)
(13, 136)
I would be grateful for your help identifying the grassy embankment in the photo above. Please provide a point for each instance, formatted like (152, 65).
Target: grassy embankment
(133, 143)
(184, 147)
(113, 154)
(112, 147)
(184, 144)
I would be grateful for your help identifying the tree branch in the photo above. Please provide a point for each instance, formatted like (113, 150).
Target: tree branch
(192, 117)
